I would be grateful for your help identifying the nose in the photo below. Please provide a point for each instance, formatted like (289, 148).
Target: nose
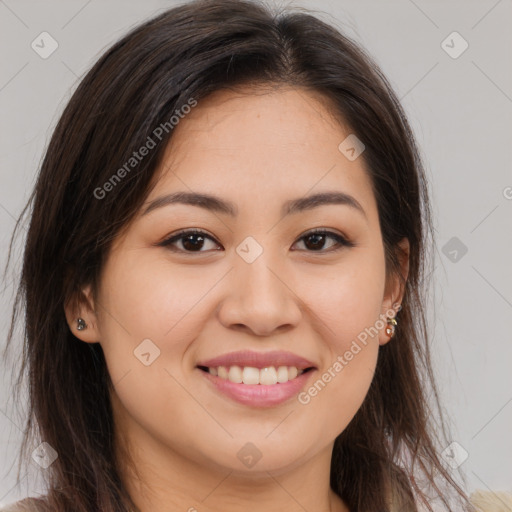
(260, 297)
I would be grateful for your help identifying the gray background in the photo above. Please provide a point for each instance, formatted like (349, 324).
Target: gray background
(460, 109)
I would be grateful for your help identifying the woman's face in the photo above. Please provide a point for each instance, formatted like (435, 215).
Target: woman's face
(254, 289)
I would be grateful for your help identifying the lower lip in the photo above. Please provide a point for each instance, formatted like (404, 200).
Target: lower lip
(258, 395)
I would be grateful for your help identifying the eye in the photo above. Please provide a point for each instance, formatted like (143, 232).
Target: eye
(315, 241)
(195, 241)
(191, 241)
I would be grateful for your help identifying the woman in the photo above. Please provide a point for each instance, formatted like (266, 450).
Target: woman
(223, 279)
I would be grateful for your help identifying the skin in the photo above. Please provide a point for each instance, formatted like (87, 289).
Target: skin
(256, 150)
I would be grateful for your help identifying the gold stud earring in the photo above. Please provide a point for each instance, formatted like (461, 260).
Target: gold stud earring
(80, 324)
(391, 328)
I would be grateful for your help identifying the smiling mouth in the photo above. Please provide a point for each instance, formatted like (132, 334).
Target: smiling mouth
(267, 376)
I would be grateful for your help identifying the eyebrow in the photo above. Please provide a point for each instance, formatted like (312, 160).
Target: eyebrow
(216, 204)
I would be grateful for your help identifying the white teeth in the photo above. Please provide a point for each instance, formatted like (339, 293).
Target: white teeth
(292, 372)
(235, 374)
(268, 376)
(249, 375)
(282, 374)
(222, 372)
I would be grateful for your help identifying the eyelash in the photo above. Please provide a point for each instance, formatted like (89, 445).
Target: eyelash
(342, 241)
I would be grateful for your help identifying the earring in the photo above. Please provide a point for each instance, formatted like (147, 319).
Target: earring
(391, 328)
(391, 321)
(80, 324)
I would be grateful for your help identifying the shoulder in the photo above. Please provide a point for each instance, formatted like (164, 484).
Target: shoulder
(482, 501)
(26, 505)
(491, 501)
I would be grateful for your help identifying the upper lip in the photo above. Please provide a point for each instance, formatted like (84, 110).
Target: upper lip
(258, 360)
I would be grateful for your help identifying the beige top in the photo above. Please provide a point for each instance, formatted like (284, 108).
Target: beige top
(26, 505)
(484, 501)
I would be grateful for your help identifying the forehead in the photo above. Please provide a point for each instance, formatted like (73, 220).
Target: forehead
(261, 142)
(245, 118)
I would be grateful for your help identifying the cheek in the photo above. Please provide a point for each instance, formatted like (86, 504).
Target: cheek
(348, 309)
(349, 333)
(143, 299)
(146, 297)
(348, 304)
(337, 393)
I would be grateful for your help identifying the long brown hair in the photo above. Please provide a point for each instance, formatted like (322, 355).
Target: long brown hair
(138, 84)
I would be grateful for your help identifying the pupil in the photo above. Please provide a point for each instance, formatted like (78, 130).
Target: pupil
(193, 245)
(318, 240)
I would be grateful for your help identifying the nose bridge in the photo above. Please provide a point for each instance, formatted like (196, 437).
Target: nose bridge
(258, 296)
(257, 266)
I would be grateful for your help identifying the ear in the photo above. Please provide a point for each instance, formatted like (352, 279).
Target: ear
(395, 288)
(83, 307)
